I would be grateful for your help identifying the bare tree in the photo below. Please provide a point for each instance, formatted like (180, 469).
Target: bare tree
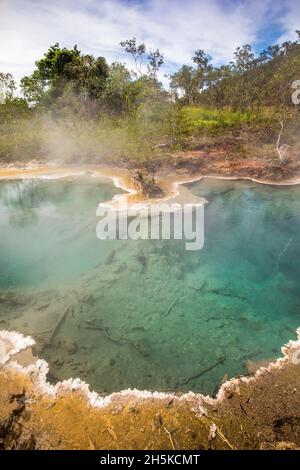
(281, 149)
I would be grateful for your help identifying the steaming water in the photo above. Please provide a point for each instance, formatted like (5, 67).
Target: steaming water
(150, 314)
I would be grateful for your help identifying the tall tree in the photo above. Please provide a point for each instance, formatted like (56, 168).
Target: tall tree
(188, 82)
(7, 87)
(61, 66)
(139, 53)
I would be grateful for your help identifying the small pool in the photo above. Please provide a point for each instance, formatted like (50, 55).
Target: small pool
(179, 320)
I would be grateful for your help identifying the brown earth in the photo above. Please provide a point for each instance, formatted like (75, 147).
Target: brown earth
(262, 412)
(224, 161)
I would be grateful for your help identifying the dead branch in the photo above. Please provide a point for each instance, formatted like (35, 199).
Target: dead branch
(204, 371)
(57, 327)
(281, 149)
(158, 146)
(170, 437)
(171, 306)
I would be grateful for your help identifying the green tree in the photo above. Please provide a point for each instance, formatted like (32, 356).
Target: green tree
(188, 82)
(7, 87)
(119, 88)
(61, 66)
(89, 75)
(185, 86)
(156, 60)
(138, 52)
(244, 58)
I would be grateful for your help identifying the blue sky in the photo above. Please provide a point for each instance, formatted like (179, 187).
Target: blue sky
(176, 27)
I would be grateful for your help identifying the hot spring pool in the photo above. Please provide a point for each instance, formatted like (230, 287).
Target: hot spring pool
(181, 320)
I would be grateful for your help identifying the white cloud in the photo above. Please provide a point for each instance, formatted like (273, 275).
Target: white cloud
(176, 27)
(290, 20)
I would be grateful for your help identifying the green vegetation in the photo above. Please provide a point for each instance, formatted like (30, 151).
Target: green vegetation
(195, 120)
(78, 108)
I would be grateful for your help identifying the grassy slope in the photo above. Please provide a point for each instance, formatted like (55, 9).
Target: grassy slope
(27, 134)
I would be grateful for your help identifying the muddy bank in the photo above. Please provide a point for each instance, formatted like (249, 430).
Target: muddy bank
(225, 160)
(260, 412)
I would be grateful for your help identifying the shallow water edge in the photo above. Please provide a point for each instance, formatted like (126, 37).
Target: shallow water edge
(246, 414)
(172, 183)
